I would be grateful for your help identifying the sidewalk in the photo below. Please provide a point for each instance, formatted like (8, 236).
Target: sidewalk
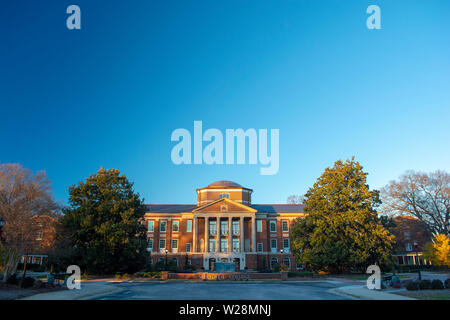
(88, 290)
(361, 292)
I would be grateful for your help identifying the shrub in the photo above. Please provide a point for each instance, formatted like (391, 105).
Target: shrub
(300, 274)
(412, 286)
(126, 276)
(117, 277)
(189, 267)
(27, 282)
(437, 284)
(13, 280)
(447, 283)
(425, 284)
(276, 268)
(38, 284)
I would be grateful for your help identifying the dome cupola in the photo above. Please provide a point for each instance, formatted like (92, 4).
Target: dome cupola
(224, 189)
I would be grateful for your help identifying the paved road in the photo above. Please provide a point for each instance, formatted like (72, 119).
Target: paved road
(225, 291)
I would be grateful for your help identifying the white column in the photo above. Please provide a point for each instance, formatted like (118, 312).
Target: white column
(206, 234)
(218, 234)
(194, 235)
(241, 229)
(253, 234)
(230, 235)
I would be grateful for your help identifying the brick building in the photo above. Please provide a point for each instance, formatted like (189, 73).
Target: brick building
(37, 251)
(224, 226)
(411, 236)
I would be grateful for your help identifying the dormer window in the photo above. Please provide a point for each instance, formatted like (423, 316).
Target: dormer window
(408, 247)
(224, 195)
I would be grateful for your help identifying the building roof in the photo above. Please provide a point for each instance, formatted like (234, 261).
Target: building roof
(279, 208)
(263, 208)
(170, 208)
(224, 183)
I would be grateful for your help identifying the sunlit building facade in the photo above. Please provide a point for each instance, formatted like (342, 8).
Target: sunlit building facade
(223, 226)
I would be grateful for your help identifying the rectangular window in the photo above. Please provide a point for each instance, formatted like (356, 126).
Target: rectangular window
(273, 245)
(175, 225)
(162, 243)
(235, 245)
(259, 247)
(285, 226)
(189, 262)
(273, 226)
(188, 247)
(258, 225)
(223, 245)
(150, 243)
(175, 244)
(163, 226)
(286, 244)
(212, 227)
(151, 226)
(212, 245)
(235, 227)
(224, 227)
(189, 226)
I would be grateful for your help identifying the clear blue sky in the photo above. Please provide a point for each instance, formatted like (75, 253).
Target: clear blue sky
(111, 93)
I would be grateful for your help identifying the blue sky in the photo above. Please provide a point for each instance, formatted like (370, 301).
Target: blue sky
(111, 93)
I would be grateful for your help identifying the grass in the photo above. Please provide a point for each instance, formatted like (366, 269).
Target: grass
(427, 294)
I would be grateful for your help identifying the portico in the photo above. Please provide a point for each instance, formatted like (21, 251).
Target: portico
(224, 226)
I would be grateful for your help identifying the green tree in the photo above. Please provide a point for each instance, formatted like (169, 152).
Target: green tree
(341, 230)
(101, 230)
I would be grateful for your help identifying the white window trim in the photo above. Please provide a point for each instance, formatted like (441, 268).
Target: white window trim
(190, 247)
(187, 224)
(286, 249)
(161, 224)
(224, 226)
(274, 222)
(212, 231)
(213, 242)
(273, 249)
(175, 250)
(258, 245)
(287, 223)
(225, 241)
(235, 230)
(148, 244)
(233, 242)
(151, 222)
(165, 244)
(178, 223)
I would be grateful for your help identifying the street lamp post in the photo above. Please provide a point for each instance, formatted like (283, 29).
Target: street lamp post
(166, 257)
(418, 259)
(282, 260)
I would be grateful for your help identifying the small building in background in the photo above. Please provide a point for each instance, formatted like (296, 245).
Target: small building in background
(411, 237)
(43, 242)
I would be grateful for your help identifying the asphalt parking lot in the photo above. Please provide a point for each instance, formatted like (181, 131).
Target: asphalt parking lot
(225, 291)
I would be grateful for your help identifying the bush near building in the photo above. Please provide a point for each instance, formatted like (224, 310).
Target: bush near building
(435, 284)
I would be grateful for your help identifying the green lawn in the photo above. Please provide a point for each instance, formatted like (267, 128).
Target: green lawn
(427, 294)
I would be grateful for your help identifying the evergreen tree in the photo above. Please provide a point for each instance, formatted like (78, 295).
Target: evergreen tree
(101, 230)
(341, 230)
